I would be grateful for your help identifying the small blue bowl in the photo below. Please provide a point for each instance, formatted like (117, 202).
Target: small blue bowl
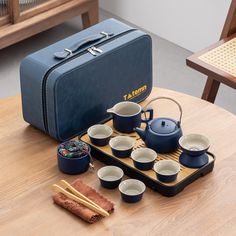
(194, 144)
(167, 170)
(100, 134)
(110, 176)
(143, 158)
(73, 166)
(122, 146)
(132, 190)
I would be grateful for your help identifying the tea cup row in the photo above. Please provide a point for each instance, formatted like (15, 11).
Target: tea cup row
(143, 158)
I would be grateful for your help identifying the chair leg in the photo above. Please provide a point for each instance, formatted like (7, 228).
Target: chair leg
(210, 90)
(91, 17)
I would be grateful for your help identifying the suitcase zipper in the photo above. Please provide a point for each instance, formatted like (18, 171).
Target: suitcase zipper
(97, 49)
(92, 50)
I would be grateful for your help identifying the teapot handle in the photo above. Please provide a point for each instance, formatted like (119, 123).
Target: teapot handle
(167, 98)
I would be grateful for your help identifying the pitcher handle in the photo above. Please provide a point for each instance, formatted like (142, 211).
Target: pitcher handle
(150, 111)
(167, 98)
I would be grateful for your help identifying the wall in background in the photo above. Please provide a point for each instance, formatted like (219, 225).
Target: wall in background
(191, 24)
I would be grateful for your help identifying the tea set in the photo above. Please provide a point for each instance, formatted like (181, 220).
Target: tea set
(161, 135)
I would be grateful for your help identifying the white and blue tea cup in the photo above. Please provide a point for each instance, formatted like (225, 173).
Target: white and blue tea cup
(122, 146)
(110, 176)
(167, 170)
(132, 190)
(100, 134)
(144, 158)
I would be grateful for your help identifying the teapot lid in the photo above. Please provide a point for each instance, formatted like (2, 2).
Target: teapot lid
(164, 125)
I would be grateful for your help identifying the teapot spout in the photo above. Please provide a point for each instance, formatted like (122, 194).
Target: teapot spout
(141, 133)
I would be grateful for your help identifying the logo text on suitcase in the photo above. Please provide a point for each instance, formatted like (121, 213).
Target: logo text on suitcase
(135, 93)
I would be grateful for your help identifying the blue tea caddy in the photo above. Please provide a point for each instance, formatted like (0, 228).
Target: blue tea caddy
(73, 157)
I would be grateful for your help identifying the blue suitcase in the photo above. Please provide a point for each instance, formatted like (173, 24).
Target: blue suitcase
(67, 87)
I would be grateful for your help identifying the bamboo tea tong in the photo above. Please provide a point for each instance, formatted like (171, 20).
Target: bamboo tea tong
(78, 197)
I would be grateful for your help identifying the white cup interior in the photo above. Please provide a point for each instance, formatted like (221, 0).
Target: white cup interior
(194, 142)
(144, 155)
(127, 108)
(132, 187)
(100, 131)
(110, 173)
(121, 143)
(167, 167)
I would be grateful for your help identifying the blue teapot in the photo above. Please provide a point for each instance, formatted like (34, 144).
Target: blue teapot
(161, 134)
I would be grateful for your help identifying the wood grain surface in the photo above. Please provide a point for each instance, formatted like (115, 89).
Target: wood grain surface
(28, 168)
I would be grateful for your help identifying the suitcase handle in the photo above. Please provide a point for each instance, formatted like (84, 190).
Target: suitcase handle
(84, 42)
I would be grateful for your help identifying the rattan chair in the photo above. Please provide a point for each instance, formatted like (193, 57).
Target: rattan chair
(218, 61)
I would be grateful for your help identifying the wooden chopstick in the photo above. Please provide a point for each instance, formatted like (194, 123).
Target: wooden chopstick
(65, 184)
(56, 188)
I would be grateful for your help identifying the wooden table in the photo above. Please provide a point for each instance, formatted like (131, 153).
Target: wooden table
(28, 167)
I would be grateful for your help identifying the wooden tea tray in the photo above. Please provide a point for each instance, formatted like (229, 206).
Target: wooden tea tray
(184, 178)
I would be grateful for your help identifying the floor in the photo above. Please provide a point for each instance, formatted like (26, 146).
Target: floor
(169, 69)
